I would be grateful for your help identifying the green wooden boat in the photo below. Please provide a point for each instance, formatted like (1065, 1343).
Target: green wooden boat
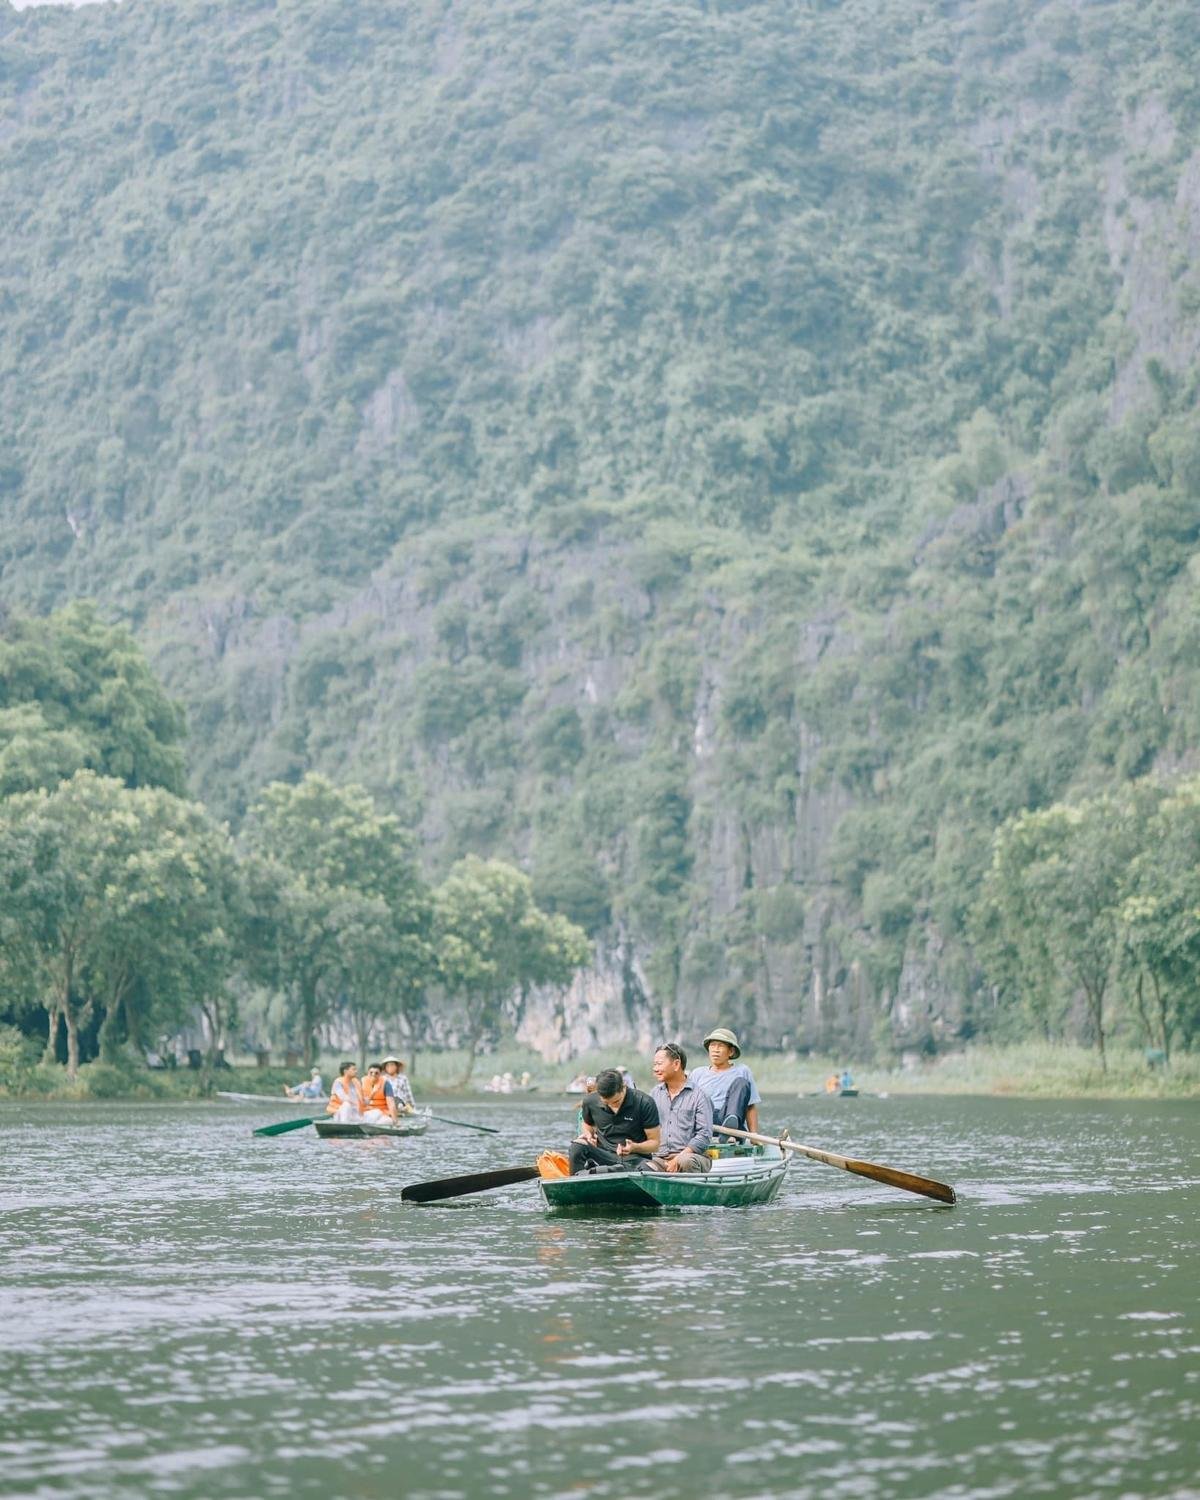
(740, 1176)
(338, 1130)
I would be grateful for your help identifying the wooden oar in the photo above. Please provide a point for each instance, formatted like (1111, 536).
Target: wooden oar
(908, 1181)
(465, 1125)
(459, 1187)
(284, 1126)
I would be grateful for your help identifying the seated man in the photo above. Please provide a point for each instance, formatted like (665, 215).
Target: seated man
(345, 1097)
(619, 1125)
(377, 1107)
(728, 1083)
(313, 1089)
(685, 1113)
(397, 1086)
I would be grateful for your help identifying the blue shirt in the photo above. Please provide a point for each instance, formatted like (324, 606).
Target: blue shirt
(716, 1083)
(686, 1120)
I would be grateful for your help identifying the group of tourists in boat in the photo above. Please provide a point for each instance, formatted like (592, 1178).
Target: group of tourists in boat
(669, 1129)
(380, 1097)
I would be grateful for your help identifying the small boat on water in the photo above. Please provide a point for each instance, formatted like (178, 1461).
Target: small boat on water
(276, 1099)
(740, 1176)
(340, 1130)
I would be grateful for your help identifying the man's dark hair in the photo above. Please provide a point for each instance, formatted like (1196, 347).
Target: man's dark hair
(343, 1068)
(673, 1049)
(609, 1082)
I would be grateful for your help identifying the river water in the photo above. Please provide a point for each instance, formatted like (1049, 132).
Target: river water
(189, 1310)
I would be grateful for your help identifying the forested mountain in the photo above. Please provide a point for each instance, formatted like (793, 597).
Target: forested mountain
(729, 455)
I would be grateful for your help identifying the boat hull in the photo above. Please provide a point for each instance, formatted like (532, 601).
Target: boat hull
(735, 1182)
(354, 1130)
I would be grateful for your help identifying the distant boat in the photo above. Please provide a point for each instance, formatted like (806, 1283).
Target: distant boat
(335, 1130)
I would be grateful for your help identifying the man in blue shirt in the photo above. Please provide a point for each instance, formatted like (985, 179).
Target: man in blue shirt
(684, 1113)
(728, 1083)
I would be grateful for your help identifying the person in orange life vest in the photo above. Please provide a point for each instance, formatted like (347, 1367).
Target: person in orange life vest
(375, 1100)
(345, 1097)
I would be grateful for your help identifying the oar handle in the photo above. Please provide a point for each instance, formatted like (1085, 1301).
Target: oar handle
(909, 1182)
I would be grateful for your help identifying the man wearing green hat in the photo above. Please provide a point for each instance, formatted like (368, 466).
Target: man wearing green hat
(728, 1083)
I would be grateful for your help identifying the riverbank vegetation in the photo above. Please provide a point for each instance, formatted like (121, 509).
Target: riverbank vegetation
(1034, 1070)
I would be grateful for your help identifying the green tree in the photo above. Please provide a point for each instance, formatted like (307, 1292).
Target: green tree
(493, 940)
(1161, 921)
(116, 901)
(76, 692)
(1059, 878)
(338, 908)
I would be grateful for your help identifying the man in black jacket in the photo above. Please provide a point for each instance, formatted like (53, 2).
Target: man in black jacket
(620, 1126)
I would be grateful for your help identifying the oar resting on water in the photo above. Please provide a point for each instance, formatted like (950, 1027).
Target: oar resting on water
(908, 1181)
(283, 1126)
(470, 1182)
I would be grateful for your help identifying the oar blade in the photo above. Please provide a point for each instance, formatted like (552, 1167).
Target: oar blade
(909, 1182)
(282, 1127)
(460, 1187)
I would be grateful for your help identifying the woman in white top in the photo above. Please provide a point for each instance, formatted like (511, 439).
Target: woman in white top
(345, 1097)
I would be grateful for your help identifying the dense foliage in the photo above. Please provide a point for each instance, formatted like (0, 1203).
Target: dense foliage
(126, 912)
(730, 457)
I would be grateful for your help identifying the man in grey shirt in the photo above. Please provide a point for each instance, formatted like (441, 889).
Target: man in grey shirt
(684, 1114)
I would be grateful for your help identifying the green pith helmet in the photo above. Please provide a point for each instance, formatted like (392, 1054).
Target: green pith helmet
(723, 1034)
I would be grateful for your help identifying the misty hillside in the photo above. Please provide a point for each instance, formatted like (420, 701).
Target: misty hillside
(727, 454)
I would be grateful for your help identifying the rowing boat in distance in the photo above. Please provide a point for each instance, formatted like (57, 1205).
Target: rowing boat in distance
(275, 1099)
(334, 1130)
(739, 1177)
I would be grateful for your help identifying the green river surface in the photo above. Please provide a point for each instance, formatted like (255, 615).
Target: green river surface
(189, 1310)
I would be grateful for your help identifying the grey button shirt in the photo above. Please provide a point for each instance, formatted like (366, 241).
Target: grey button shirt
(686, 1120)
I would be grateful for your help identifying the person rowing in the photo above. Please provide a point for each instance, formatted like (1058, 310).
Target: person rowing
(728, 1083)
(397, 1087)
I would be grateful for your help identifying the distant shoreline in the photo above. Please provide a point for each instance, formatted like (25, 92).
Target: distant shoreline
(1030, 1071)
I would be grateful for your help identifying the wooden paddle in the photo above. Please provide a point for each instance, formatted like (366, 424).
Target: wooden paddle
(465, 1125)
(284, 1126)
(459, 1187)
(908, 1181)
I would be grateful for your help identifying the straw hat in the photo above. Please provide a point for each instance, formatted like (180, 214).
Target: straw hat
(723, 1034)
(397, 1060)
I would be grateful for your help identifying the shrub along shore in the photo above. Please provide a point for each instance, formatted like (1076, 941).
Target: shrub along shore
(1027, 1071)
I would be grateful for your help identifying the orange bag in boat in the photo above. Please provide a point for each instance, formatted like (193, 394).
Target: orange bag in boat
(553, 1164)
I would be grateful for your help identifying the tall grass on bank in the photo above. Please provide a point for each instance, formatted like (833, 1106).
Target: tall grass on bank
(1032, 1070)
